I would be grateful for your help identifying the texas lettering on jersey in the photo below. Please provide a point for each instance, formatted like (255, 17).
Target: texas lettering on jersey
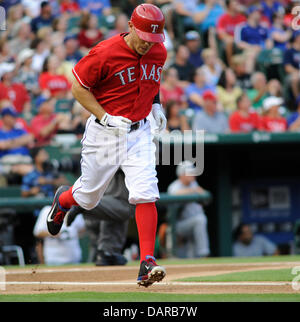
(123, 82)
(153, 73)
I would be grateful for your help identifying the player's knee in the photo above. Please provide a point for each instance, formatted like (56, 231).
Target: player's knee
(137, 200)
(88, 204)
(200, 219)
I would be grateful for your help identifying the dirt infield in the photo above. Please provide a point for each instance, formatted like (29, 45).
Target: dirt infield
(123, 279)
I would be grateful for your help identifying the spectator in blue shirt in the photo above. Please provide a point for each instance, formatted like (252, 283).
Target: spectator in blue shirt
(271, 7)
(195, 90)
(291, 61)
(45, 18)
(96, 7)
(71, 44)
(252, 37)
(13, 140)
(294, 118)
(42, 180)
(279, 33)
(193, 43)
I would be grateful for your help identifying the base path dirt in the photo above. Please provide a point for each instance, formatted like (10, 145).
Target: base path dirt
(123, 279)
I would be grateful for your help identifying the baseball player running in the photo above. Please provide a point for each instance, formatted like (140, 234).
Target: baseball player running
(118, 82)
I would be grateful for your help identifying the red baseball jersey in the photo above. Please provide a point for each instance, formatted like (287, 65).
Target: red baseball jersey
(123, 82)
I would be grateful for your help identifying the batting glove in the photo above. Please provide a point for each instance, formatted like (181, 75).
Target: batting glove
(118, 124)
(159, 117)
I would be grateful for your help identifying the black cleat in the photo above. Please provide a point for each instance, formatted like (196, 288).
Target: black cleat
(105, 258)
(150, 272)
(56, 215)
(72, 214)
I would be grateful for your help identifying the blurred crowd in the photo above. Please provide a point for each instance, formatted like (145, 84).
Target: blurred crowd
(232, 66)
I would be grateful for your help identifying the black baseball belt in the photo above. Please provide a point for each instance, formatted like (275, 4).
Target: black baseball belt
(133, 127)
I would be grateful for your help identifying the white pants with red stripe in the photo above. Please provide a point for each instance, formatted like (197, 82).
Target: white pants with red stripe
(103, 152)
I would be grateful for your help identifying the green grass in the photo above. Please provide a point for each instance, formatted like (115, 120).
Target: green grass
(274, 275)
(149, 297)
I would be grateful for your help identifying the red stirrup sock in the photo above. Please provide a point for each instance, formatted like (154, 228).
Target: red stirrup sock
(66, 199)
(146, 221)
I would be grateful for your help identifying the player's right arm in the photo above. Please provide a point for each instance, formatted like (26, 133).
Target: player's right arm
(87, 99)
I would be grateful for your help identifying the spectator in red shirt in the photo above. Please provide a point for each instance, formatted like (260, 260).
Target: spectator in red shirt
(15, 92)
(170, 90)
(226, 26)
(69, 6)
(46, 123)
(89, 35)
(272, 121)
(243, 119)
(51, 82)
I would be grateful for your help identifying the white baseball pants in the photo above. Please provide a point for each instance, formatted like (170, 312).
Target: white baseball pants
(103, 152)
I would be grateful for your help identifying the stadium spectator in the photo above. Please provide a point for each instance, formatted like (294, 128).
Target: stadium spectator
(209, 118)
(65, 67)
(206, 17)
(41, 52)
(72, 49)
(120, 26)
(16, 92)
(42, 180)
(90, 33)
(22, 39)
(26, 75)
(259, 89)
(46, 123)
(59, 26)
(247, 244)
(227, 91)
(184, 68)
(96, 7)
(272, 121)
(226, 26)
(244, 120)
(279, 33)
(191, 226)
(175, 120)
(292, 64)
(14, 141)
(252, 36)
(270, 8)
(63, 248)
(69, 6)
(5, 52)
(239, 68)
(274, 88)
(195, 90)
(212, 66)
(193, 43)
(170, 89)
(14, 16)
(51, 82)
(294, 118)
(186, 10)
(44, 19)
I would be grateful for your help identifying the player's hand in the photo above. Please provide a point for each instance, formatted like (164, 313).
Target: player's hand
(118, 124)
(159, 117)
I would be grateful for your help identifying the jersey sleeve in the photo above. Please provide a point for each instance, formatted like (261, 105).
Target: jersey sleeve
(89, 69)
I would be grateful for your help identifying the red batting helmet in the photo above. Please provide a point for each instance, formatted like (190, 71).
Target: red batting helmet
(149, 22)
